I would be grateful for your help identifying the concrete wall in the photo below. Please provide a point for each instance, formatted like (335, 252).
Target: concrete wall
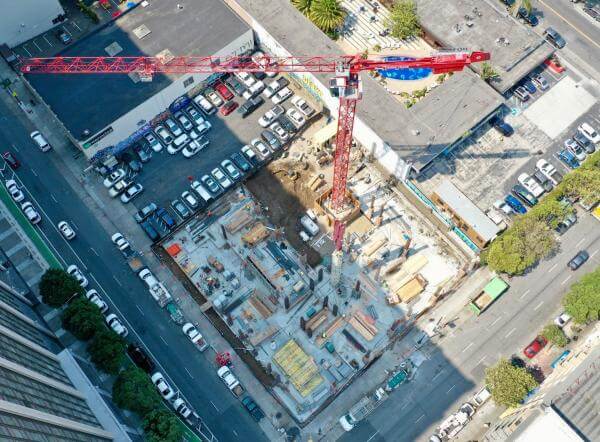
(24, 19)
(141, 114)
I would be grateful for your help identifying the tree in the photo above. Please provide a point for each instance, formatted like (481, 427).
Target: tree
(584, 183)
(57, 286)
(303, 6)
(555, 334)
(133, 391)
(328, 15)
(107, 350)
(488, 73)
(583, 300)
(508, 384)
(162, 426)
(403, 20)
(82, 318)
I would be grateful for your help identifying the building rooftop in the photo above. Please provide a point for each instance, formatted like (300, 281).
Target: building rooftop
(544, 424)
(515, 49)
(184, 27)
(417, 134)
(468, 211)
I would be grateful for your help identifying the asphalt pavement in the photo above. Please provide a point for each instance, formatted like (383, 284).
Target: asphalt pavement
(49, 184)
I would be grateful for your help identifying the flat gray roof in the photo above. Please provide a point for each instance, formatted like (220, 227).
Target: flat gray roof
(442, 117)
(199, 27)
(518, 51)
(467, 210)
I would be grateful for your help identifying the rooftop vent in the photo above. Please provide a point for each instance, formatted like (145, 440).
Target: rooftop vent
(141, 31)
(165, 56)
(113, 49)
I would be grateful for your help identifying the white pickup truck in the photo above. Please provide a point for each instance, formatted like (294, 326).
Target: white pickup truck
(231, 381)
(157, 290)
(195, 336)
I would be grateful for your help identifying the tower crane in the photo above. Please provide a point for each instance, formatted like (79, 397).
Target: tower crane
(345, 85)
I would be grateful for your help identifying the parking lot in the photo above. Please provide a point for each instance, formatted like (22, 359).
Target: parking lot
(486, 166)
(165, 176)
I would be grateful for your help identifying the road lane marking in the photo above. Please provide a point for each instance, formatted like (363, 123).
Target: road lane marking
(439, 374)
(510, 333)
(481, 360)
(163, 339)
(552, 268)
(571, 24)
(213, 404)
(53, 199)
(451, 388)
(74, 225)
(538, 306)
(34, 172)
(524, 294)
(593, 254)
(117, 281)
(467, 347)
(15, 148)
(579, 243)
(375, 434)
(141, 311)
(565, 281)
(405, 405)
(94, 252)
(420, 417)
(496, 320)
(188, 372)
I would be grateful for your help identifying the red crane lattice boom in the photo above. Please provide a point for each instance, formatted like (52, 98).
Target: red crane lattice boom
(345, 85)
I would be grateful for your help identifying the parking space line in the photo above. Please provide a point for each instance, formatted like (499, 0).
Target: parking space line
(373, 435)
(188, 372)
(67, 31)
(117, 281)
(404, 406)
(74, 225)
(565, 281)
(580, 241)
(47, 41)
(53, 198)
(593, 254)
(75, 24)
(524, 294)
(451, 388)
(538, 306)
(467, 347)
(213, 404)
(437, 375)
(141, 311)
(481, 360)
(36, 45)
(163, 339)
(94, 251)
(421, 417)
(25, 49)
(34, 172)
(510, 333)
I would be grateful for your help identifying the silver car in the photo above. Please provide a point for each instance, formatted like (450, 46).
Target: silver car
(220, 176)
(231, 170)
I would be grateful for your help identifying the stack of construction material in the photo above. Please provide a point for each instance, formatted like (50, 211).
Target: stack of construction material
(371, 247)
(363, 325)
(316, 321)
(408, 291)
(331, 328)
(409, 269)
(238, 220)
(256, 234)
(300, 368)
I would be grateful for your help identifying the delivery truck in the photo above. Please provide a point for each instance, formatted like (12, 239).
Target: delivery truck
(158, 291)
(362, 409)
(492, 291)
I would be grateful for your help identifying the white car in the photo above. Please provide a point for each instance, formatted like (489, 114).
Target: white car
(113, 178)
(271, 115)
(181, 407)
(120, 241)
(203, 127)
(246, 78)
(530, 184)
(194, 335)
(32, 215)
(190, 200)
(261, 148)
(575, 149)
(302, 106)
(589, 132)
(163, 134)
(194, 147)
(66, 230)
(187, 124)
(214, 98)
(231, 170)
(296, 117)
(74, 271)
(283, 134)
(272, 89)
(548, 170)
(162, 386)
(173, 127)
(93, 296)
(113, 322)
(502, 206)
(248, 153)
(41, 142)
(562, 319)
(220, 176)
(196, 116)
(118, 188)
(131, 192)
(153, 142)
(15, 192)
(282, 95)
(204, 104)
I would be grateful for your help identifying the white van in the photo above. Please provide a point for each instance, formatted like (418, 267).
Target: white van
(178, 143)
(200, 190)
(311, 227)
(39, 139)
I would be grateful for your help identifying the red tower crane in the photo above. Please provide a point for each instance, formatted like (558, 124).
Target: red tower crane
(345, 85)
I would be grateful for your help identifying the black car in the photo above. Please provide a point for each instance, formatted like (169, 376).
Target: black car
(145, 212)
(254, 410)
(524, 195)
(166, 218)
(271, 139)
(140, 358)
(287, 124)
(236, 85)
(527, 17)
(542, 180)
(241, 162)
(578, 260)
(250, 106)
(149, 230)
(259, 75)
(584, 142)
(502, 127)
(135, 166)
(181, 209)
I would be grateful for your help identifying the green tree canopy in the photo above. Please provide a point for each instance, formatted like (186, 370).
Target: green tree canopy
(303, 6)
(57, 286)
(82, 318)
(583, 300)
(488, 73)
(328, 15)
(107, 351)
(553, 333)
(134, 391)
(403, 20)
(584, 183)
(162, 426)
(508, 384)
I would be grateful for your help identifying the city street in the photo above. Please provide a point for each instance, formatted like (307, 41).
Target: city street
(455, 367)
(49, 184)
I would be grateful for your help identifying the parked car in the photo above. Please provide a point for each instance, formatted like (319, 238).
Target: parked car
(302, 106)
(231, 170)
(530, 184)
(554, 64)
(32, 215)
(153, 142)
(540, 81)
(162, 386)
(16, 193)
(502, 127)
(254, 410)
(190, 200)
(271, 139)
(271, 115)
(250, 154)
(527, 17)
(74, 271)
(223, 91)
(181, 408)
(204, 104)
(211, 184)
(562, 319)
(503, 207)
(589, 132)
(131, 192)
(575, 149)
(246, 78)
(287, 124)
(228, 108)
(568, 158)
(194, 147)
(140, 358)
(142, 153)
(195, 115)
(280, 131)
(241, 162)
(592, 13)
(522, 94)
(164, 215)
(250, 106)
(173, 127)
(543, 181)
(554, 38)
(221, 178)
(566, 223)
(214, 99)
(65, 230)
(549, 171)
(149, 230)
(113, 178)
(118, 188)
(180, 209)
(296, 117)
(135, 166)
(528, 84)
(282, 95)
(11, 160)
(584, 142)
(274, 86)
(164, 134)
(515, 204)
(119, 240)
(93, 296)
(236, 85)
(145, 212)
(261, 148)
(535, 347)
(578, 260)
(185, 122)
(524, 195)
(64, 37)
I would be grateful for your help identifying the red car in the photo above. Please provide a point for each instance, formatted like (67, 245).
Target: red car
(11, 160)
(223, 91)
(228, 108)
(535, 347)
(554, 64)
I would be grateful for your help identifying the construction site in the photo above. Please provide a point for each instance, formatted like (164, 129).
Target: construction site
(313, 333)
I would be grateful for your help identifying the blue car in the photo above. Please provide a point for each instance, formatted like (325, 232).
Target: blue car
(166, 218)
(515, 204)
(568, 158)
(528, 84)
